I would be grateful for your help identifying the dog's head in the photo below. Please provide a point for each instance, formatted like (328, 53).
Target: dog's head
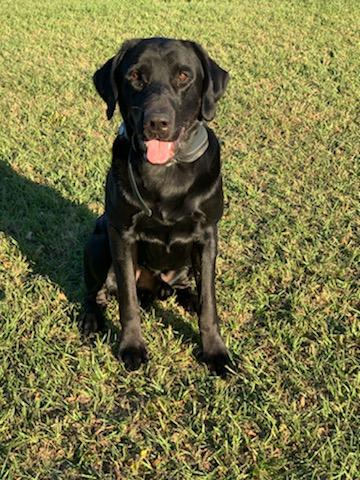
(163, 87)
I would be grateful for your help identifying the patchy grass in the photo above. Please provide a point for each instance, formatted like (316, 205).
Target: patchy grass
(288, 266)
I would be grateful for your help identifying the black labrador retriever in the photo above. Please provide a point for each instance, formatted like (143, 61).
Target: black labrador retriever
(163, 192)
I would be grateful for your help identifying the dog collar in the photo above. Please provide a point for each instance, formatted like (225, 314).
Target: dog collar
(196, 147)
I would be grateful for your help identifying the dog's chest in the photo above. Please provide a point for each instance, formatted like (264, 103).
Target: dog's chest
(160, 229)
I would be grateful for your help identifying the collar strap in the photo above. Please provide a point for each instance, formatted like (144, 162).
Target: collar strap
(144, 206)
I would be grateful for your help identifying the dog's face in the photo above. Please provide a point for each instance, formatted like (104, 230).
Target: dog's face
(163, 87)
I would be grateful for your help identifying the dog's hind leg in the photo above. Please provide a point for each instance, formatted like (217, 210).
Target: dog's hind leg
(97, 262)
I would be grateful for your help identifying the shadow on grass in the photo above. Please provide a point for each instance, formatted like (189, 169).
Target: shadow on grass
(48, 229)
(182, 329)
(51, 232)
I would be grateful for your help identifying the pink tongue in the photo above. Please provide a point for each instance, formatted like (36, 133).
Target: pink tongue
(159, 152)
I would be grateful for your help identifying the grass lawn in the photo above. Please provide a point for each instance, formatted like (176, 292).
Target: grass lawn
(288, 264)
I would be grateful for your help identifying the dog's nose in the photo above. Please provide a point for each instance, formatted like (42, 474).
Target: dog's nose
(156, 123)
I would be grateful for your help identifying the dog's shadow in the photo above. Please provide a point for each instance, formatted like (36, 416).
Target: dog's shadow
(48, 229)
(50, 232)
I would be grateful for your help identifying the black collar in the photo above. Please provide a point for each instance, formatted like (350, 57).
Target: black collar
(194, 149)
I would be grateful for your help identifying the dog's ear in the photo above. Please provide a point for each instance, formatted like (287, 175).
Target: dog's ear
(104, 78)
(215, 82)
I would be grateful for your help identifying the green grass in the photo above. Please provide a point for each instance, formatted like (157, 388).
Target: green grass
(287, 271)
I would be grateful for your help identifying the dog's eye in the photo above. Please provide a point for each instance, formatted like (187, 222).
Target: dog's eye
(137, 80)
(135, 75)
(183, 77)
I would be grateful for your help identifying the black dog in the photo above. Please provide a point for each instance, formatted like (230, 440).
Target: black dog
(163, 193)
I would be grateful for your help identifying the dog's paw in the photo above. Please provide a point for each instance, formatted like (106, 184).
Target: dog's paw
(188, 300)
(91, 322)
(218, 359)
(133, 356)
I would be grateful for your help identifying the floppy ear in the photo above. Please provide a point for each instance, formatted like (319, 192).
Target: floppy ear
(215, 82)
(104, 78)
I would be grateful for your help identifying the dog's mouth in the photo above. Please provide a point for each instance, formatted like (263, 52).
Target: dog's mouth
(159, 152)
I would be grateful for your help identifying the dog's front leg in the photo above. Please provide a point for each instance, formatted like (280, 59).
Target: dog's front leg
(132, 347)
(203, 259)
